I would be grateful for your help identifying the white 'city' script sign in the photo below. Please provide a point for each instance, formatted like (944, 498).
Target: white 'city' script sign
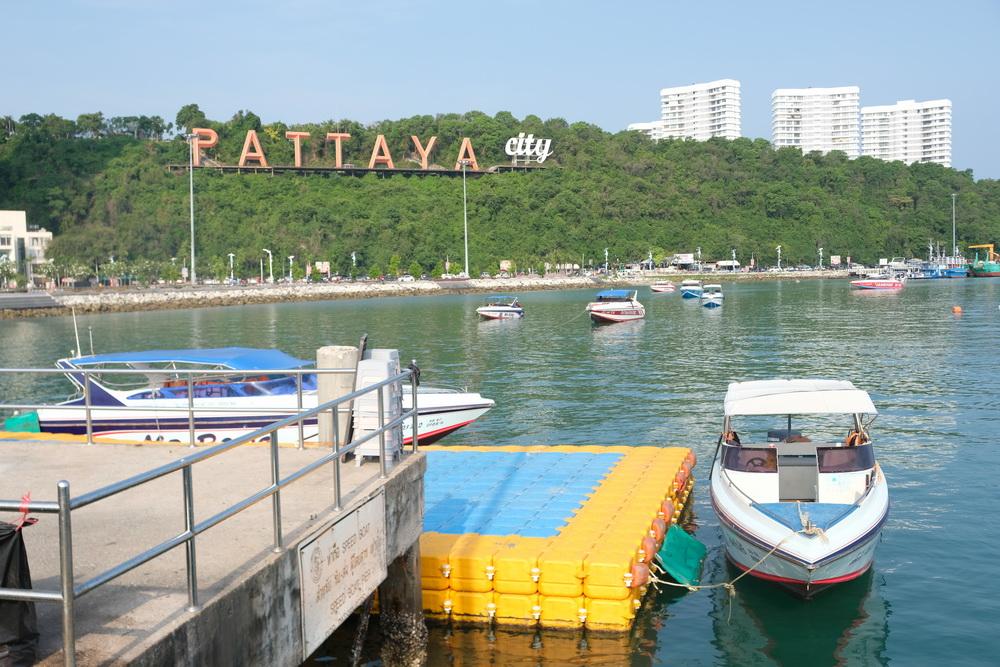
(528, 148)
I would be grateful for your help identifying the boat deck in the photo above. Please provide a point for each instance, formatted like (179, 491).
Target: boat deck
(545, 535)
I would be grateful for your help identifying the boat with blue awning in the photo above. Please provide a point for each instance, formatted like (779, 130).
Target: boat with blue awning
(616, 305)
(691, 289)
(501, 307)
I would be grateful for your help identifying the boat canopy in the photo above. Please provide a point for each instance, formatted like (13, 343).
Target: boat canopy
(236, 358)
(611, 294)
(797, 397)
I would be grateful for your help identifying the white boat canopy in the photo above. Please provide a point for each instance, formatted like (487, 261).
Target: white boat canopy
(797, 397)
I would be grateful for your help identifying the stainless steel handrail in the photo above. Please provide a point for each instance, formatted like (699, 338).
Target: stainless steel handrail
(69, 590)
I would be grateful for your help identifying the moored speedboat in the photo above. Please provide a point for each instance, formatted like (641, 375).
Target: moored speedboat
(884, 282)
(711, 296)
(801, 512)
(243, 397)
(663, 286)
(616, 305)
(500, 307)
(691, 289)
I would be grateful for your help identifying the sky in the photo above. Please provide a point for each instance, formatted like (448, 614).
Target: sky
(597, 62)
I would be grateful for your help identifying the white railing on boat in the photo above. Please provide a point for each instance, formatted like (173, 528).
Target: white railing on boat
(65, 505)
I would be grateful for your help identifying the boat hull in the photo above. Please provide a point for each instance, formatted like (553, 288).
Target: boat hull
(662, 288)
(488, 313)
(612, 316)
(984, 270)
(691, 293)
(877, 284)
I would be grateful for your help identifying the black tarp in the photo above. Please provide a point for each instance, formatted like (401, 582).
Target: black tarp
(18, 624)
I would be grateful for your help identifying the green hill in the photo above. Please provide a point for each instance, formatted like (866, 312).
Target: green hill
(104, 188)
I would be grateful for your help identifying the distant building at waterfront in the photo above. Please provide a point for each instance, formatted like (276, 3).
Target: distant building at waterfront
(909, 131)
(816, 119)
(23, 245)
(699, 111)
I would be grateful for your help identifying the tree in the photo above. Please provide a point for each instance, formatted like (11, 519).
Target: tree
(415, 270)
(90, 125)
(189, 117)
(394, 265)
(375, 271)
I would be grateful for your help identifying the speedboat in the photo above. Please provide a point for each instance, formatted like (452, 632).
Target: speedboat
(616, 305)
(663, 286)
(501, 308)
(882, 282)
(711, 296)
(803, 512)
(250, 392)
(691, 289)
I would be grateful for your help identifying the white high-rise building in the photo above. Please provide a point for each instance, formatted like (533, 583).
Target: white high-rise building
(699, 111)
(908, 130)
(816, 119)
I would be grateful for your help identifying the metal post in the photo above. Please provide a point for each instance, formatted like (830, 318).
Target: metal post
(66, 575)
(954, 242)
(194, 279)
(465, 216)
(298, 391)
(190, 387)
(416, 417)
(335, 410)
(86, 408)
(192, 567)
(276, 498)
(381, 434)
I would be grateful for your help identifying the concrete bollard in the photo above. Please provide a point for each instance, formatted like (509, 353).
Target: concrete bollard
(330, 386)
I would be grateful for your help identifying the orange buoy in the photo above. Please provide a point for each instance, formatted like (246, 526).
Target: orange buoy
(640, 575)
(648, 548)
(658, 529)
(667, 508)
(957, 310)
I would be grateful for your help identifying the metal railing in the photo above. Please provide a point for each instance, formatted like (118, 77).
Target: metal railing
(190, 386)
(69, 591)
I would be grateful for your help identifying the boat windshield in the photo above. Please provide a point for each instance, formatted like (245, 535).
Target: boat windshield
(750, 459)
(214, 388)
(845, 459)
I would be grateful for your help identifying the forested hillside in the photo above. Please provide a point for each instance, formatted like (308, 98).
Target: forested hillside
(104, 189)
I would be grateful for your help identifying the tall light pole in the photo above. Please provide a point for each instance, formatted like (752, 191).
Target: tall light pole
(261, 271)
(734, 260)
(465, 216)
(698, 250)
(270, 266)
(190, 138)
(779, 257)
(954, 243)
(291, 258)
(820, 258)
(231, 277)
(605, 261)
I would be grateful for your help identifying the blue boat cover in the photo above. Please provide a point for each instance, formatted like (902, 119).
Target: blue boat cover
(236, 358)
(615, 294)
(822, 515)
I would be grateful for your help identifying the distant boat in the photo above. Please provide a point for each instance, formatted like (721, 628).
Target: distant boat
(691, 289)
(884, 282)
(989, 266)
(499, 307)
(666, 286)
(616, 305)
(711, 296)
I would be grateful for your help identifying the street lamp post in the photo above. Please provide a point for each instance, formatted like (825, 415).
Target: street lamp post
(734, 260)
(270, 265)
(779, 257)
(821, 258)
(465, 216)
(954, 242)
(605, 261)
(261, 271)
(231, 276)
(190, 138)
(291, 258)
(698, 250)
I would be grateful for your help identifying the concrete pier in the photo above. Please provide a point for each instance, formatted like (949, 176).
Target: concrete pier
(252, 609)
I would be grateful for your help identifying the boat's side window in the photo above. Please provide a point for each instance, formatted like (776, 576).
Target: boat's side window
(750, 459)
(845, 459)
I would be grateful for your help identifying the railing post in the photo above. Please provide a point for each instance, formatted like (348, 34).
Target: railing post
(416, 416)
(298, 391)
(381, 433)
(190, 386)
(66, 575)
(335, 413)
(86, 403)
(276, 496)
(192, 566)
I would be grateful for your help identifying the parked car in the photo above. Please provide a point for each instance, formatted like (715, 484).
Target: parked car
(406, 278)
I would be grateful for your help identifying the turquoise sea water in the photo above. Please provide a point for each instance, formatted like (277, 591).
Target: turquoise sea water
(933, 596)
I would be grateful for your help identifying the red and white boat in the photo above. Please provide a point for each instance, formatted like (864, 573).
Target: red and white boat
(879, 282)
(663, 287)
(616, 305)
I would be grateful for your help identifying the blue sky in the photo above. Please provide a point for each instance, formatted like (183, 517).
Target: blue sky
(600, 62)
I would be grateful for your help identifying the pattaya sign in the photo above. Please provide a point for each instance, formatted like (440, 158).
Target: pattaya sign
(521, 147)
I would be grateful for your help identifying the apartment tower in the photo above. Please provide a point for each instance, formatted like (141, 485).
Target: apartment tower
(909, 131)
(699, 111)
(816, 119)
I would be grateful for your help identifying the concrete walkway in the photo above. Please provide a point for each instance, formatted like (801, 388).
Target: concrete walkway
(114, 621)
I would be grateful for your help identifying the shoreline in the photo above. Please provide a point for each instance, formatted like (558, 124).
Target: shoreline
(170, 297)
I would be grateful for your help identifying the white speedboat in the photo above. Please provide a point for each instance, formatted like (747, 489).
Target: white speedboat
(663, 286)
(691, 289)
(239, 400)
(616, 305)
(711, 296)
(804, 512)
(501, 308)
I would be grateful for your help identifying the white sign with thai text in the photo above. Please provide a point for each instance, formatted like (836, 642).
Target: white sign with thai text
(339, 567)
